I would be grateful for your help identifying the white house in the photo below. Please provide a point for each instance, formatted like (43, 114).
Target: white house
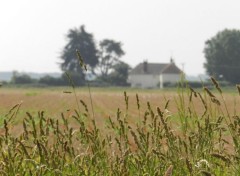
(154, 75)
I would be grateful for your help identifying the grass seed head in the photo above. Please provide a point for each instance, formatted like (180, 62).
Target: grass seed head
(222, 157)
(216, 85)
(238, 88)
(189, 165)
(209, 92)
(206, 173)
(215, 100)
(169, 171)
(193, 91)
(138, 102)
(81, 62)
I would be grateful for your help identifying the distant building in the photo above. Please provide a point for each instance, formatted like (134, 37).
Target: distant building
(154, 75)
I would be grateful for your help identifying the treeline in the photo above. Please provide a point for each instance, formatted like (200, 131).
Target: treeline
(116, 78)
(22, 78)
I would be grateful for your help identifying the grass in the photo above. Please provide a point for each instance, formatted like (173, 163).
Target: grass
(185, 132)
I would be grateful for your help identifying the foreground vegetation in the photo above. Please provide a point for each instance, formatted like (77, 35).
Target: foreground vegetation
(200, 138)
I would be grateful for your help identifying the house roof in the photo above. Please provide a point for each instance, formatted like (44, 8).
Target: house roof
(171, 68)
(155, 68)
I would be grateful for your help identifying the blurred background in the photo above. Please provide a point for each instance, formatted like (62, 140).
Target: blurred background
(38, 37)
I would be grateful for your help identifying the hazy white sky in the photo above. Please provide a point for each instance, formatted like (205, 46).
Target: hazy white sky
(33, 33)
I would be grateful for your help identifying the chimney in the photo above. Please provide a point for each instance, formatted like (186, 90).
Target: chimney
(145, 66)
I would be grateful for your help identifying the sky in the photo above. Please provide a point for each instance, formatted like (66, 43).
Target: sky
(33, 33)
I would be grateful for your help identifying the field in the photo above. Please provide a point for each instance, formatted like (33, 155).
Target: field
(105, 100)
(109, 132)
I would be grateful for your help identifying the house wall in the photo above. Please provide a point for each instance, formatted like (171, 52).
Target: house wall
(171, 78)
(144, 81)
(152, 81)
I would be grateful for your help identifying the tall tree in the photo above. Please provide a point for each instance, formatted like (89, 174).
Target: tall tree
(119, 75)
(79, 39)
(109, 53)
(222, 53)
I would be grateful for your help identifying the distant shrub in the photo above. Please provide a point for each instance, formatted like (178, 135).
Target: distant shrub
(99, 83)
(51, 81)
(22, 79)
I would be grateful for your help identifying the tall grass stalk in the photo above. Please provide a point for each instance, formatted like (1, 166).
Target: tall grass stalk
(84, 67)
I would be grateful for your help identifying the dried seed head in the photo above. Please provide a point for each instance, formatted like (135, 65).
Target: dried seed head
(166, 105)
(189, 165)
(216, 85)
(138, 104)
(238, 87)
(209, 92)
(81, 62)
(84, 105)
(126, 98)
(169, 171)
(193, 91)
(214, 82)
(206, 173)
(222, 157)
(216, 101)
(67, 92)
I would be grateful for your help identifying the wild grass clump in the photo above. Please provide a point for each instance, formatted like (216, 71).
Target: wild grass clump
(205, 143)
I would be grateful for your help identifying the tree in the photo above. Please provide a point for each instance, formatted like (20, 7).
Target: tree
(52, 81)
(18, 78)
(120, 74)
(109, 53)
(79, 39)
(222, 53)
